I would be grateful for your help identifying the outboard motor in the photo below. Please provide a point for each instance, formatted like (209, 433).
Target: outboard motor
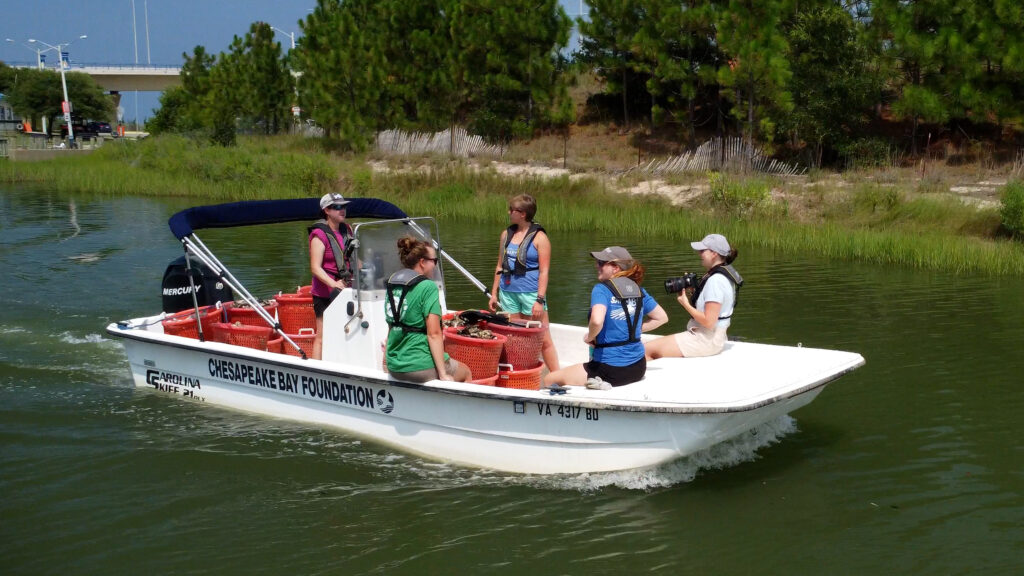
(177, 291)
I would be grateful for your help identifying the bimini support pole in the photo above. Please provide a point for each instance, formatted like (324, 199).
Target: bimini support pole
(195, 300)
(194, 245)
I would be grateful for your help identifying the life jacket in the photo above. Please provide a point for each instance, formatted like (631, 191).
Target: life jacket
(341, 257)
(405, 279)
(520, 267)
(729, 272)
(628, 292)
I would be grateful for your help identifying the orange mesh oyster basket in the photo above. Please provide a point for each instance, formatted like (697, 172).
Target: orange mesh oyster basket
(247, 315)
(304, 339)
(486, 381)
(184, 323)
(295, 312)
(274, 345)
(243, 335)
(480, 355)
(522, 345)
(522, 379)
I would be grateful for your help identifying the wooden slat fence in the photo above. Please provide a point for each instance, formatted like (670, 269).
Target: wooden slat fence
(726, 155)
(460, 143)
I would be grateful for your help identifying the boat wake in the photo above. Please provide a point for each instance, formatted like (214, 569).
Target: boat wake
(730, 453)
(37, 350)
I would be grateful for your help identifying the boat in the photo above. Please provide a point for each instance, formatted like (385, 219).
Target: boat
(682, 406)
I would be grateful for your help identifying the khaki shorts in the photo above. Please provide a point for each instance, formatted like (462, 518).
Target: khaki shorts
(699, 341)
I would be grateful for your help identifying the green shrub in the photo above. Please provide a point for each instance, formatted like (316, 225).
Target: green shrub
(740, 197)
(867, 153)
(1012, 211)
(874, 198)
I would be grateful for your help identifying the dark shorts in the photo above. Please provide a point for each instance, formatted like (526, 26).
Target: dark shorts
(617, 375)
(319, 305)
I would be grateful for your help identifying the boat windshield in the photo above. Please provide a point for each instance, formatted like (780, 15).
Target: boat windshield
(377, 253)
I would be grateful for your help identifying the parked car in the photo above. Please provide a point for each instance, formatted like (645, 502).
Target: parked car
(87, 129)
(98, 127)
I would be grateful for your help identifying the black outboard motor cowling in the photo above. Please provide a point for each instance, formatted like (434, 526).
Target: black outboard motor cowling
(177, 292)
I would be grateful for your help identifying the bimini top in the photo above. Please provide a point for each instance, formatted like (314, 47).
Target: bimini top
(254, 212)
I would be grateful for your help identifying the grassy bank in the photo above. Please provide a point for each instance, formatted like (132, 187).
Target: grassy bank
(872, 216)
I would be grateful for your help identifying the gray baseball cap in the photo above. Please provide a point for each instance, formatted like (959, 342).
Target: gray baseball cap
(332, 198)
(714, 242)
(616, 254)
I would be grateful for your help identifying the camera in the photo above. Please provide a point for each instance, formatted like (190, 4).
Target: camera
(680, 283)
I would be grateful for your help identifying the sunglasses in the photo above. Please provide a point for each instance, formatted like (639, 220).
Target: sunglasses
(434, 259)
(511, 209)
(336, 207)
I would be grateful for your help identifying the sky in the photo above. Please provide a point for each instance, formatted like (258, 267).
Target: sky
(174, 26)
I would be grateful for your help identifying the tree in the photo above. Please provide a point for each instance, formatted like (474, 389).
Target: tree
(39, 93)
(344, 76)
(751, 34)
(263, 81)
(832, 84)
(195, 85)
(172, 115)
(677, 50)
(507, 52)
(606, 43)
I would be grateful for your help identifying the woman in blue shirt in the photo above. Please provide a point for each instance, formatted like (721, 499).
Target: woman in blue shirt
(521, 276)
(617, 308)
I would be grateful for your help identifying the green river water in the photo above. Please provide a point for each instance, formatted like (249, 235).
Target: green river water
(912, 464)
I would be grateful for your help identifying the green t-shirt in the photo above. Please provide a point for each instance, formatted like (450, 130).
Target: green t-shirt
(409, 351)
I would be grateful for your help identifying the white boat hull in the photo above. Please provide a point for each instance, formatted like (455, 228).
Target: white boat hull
(518, 431)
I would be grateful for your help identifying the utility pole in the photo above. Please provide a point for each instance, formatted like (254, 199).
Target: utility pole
(66, 107)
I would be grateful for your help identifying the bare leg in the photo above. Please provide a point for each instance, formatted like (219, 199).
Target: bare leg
(664, 347)
(548, 350)
(462, 373)
(318, 339)
(573, 375)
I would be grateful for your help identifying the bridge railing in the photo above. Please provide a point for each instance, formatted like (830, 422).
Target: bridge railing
(77, 66)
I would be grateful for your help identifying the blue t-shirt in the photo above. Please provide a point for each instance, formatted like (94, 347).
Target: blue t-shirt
(719, 289)
(520, 284)
(616, 329)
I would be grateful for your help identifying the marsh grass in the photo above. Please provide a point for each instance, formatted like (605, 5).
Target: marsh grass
(584, 206)
(177, 166)
(866, 221)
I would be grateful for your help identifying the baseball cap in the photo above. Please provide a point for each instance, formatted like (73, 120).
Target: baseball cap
(714, 242)
(616, 254)
(332, 198)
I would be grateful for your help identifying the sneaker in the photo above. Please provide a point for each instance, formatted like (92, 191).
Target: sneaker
(557, 389)
(596, 383)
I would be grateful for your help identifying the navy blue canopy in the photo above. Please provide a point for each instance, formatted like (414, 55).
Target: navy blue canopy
(272, 212)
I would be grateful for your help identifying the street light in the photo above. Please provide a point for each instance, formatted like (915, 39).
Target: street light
(39, 53)
(290, 35)
(295, 75)
(63, 82)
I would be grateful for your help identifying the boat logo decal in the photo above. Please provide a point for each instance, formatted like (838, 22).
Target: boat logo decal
(173, 383)
(385, 402)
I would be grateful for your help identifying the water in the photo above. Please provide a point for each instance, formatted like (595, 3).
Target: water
(910, 465)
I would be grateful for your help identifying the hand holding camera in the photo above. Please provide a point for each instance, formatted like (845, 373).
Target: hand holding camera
(677, 284)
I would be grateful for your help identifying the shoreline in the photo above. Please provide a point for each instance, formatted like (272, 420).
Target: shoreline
(886, 216)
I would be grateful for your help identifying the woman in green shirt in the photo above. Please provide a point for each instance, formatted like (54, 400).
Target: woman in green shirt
(415, 347)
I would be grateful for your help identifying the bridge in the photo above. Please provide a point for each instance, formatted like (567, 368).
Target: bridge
(124, 78)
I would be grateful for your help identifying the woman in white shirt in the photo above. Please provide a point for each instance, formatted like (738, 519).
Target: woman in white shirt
(710, 304)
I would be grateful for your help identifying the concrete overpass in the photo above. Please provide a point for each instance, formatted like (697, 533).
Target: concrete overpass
(131, 78)
(125, 78)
